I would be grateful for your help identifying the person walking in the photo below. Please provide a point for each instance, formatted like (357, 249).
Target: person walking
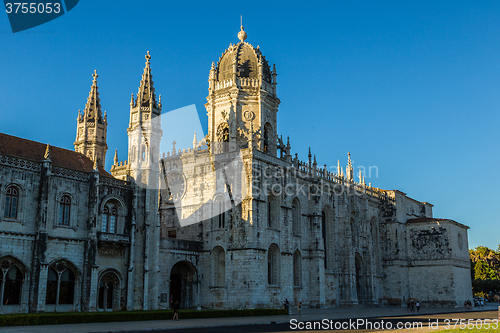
(176, 311)
(287, 305)
(418, 307)
(299, 308)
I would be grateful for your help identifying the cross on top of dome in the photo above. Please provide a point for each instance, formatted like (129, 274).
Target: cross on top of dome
(242, 35)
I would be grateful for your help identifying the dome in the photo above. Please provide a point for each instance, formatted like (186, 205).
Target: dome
(247, 61)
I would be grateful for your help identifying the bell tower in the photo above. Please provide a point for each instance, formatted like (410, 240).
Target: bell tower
(144, 131)
(92, 127)
(242, 104)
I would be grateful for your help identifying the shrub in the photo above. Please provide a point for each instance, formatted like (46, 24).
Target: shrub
(102, 317)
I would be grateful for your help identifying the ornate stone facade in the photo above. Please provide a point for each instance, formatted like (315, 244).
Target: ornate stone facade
(297, 230)
(241, 223)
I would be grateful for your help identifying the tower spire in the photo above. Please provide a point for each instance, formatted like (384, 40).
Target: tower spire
(93, 111)
(146, 96)
(92, 126)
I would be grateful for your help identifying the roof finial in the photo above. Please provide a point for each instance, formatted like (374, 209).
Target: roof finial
(46, 156)
(148, 57)
(349, 169)
(242, 35)
(95, 76)
(115, 160)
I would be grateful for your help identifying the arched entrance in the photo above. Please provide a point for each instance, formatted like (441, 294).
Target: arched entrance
(360, 292)
(183, 283)
(109, 293)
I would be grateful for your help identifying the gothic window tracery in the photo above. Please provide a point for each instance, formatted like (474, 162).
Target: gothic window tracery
(11, 282)
(268, 134)
(219, 212)
(272, 212)
(11, 202)
(60, 284)
(296, 217)
(110, 215)
(297, 269)
(273, 265)
(64, 210)
(109, 291)
(223, 137)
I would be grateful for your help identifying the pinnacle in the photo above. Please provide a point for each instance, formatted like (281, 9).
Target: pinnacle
(46, 156)
(92, 109)
(146, 95)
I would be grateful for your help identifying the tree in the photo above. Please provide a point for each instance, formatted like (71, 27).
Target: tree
(483, 271)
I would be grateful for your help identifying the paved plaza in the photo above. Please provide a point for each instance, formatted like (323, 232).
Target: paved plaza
(307, 315)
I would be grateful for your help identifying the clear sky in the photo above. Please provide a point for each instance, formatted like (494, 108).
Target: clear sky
(411, 87)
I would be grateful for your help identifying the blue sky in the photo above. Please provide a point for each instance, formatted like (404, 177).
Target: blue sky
(412, 88)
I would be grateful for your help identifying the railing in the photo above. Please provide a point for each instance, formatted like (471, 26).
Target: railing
(114, 182)
(67, 173)
(181, 244)
(113, 238)
(20, 163)
(310, 170)
(244, 82)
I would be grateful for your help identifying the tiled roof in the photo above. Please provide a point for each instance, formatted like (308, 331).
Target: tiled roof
(432, 219)
(34, 151)
(425, 219)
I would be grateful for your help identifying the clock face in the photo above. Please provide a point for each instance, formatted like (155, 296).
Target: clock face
(176, 185)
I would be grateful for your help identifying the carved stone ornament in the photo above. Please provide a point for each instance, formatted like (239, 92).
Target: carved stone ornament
(249, 115)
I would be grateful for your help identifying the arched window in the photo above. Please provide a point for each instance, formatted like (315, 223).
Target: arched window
(132, 154)
(60, 285)
(11, 202)
(12, 283)
(64, 210)
(269, 213)
(272, 212)
(109, 219)
(223, 138)
(273, 265)
(266, 139)
(106, 290)
(297, 269)
(219, 266)
(109, 293)
(268, 135)
(354, 233)
(219, 213)
(296, 217)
